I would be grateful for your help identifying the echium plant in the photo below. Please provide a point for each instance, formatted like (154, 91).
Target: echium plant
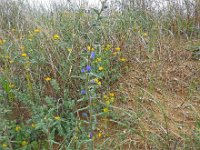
(94, 69)
(89, 88)
(91, 74)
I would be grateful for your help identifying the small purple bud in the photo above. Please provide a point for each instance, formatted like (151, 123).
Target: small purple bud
(92, 81)
(85, 115)
(17, 121)
(88, 68)
(84, 49)
(92, 55)
(83, 92)
(82, 70)
(91, 135)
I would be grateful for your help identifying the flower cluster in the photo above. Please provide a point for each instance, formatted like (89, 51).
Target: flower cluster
(2, 41)
(56, 37)
(108, 99)
(107, 47)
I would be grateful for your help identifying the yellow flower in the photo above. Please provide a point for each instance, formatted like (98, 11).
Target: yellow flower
(47, 78)
(30, 38)
(11, 85)
(89, 48)
(7, 57)
(101, 68)
(107, 47)
(27, 64)
(98, 60)
(99, 135)
(11, 61)
(56, 37)
(112, 99)
(4, 145)
(57, 118)
(108, 102)
(97, 81)
(111, 94)
(24, 143)
(105, 109)
(2, 41)
(105, 97)
(22, 48)
(17, 128)
(145, 34)
(33, 125)
(69, 49)
(37, 30)
(122, 59)
(117, 48)
(115, 53)
(24, 55)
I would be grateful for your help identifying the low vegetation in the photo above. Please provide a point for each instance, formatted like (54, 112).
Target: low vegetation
(115, 77)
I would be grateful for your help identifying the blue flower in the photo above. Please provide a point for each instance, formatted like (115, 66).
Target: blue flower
(83, 70)
(83, 92)
(92, 55)
(88, 68)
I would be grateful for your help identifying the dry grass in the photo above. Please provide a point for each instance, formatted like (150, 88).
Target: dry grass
(162, 92)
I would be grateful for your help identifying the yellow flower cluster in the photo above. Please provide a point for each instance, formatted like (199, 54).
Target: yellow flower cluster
(108, 98)
(11, 61)
(24, 143)
(37, 30)
(47, 78)
(99, 135)
(4, 145)
(30, 37)
(98, 60)
(69, 50)
(107, 47)
(17, 128)
(97, 81)
(89, 48)
(22, 48)
(7, 57)
(33, 125)
(101, 68)
(11, 85)
(56, 37)
(117, 49)
(122, 59)
(2, 41)
(24, 55)
(106, 109)
(57, 118)
(145, 34)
